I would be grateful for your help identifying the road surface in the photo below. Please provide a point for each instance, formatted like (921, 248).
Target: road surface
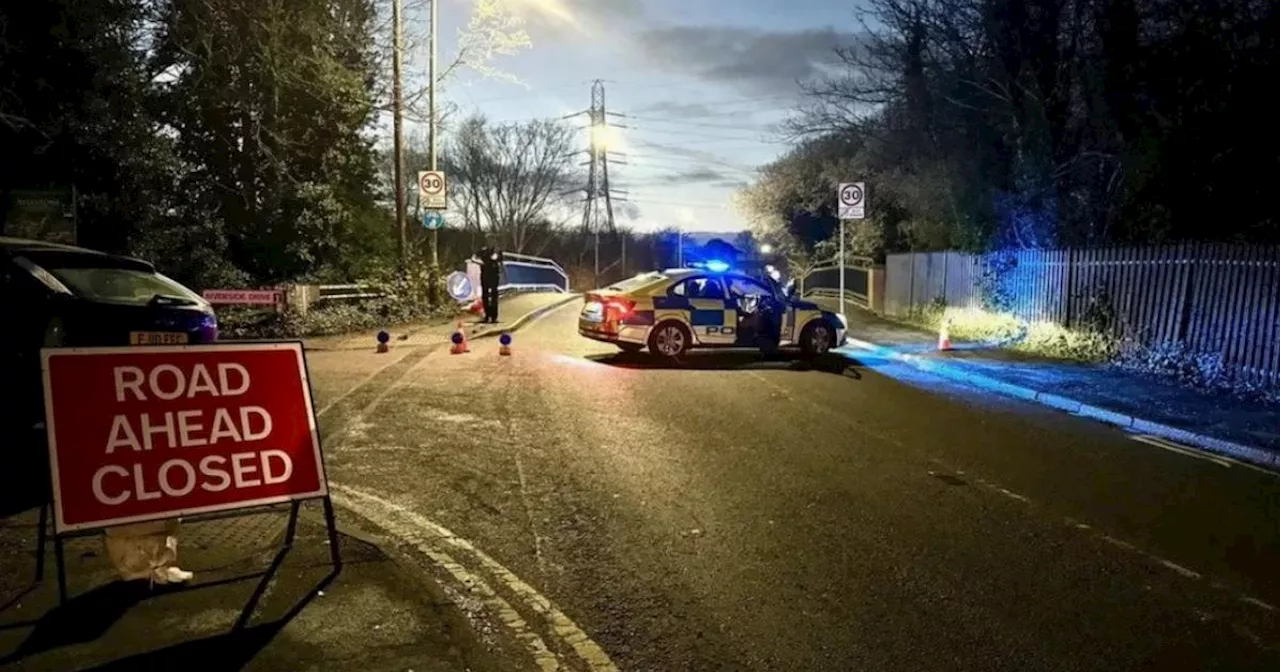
(733, 513)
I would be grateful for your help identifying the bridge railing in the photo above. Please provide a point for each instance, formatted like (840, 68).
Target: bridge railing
(527, 273)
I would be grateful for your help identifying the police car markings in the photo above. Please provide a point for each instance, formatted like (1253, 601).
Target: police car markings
(428, 536)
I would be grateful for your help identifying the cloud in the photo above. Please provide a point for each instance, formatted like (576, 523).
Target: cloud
(682, 110)
(627, 209)
(700, 174)
(761, 61)
(560, 18)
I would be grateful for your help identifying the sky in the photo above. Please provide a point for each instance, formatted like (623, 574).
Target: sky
(701, 86)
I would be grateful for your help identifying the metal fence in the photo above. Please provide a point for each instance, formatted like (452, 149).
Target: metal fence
(824, 282)
(1220, 299)
(527, 273)
(333, 293)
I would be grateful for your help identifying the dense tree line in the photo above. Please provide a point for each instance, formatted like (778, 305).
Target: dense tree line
(983, 124)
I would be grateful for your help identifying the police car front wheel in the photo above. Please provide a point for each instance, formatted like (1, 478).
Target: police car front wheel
(817, 339)
(669, 339)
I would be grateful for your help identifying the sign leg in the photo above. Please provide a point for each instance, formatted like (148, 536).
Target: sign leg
(292, 530)
(842, 267)
(41, 538)
(335, 554)
(60, 559)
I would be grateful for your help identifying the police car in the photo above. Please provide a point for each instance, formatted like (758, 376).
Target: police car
(673, 311)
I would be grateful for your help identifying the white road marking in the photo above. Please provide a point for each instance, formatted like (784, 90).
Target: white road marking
(1180, 449)
(1178, 568)
(367, 379)
(428, 536)
(546, 660)
(1189, 451)
(1257, 603)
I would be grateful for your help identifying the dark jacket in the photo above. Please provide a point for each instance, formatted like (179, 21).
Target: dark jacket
(490, 264)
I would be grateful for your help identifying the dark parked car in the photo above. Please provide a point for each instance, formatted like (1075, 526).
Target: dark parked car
(61, 296)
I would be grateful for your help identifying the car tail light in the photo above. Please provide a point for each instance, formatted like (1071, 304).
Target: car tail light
(619, 307)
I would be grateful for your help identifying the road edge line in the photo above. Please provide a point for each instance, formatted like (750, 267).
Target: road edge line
(1258, 457)
(528, 317)
(557, 622)
(467, 580)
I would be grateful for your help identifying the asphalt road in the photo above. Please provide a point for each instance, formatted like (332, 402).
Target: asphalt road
(733, 513)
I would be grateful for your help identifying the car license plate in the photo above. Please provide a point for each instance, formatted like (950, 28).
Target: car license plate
(158, 338)
(593, 312)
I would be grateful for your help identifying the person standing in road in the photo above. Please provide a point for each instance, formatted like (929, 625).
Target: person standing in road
(490, 258)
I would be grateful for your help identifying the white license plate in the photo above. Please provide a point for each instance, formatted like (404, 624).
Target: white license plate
(593, 312)
(158, 338)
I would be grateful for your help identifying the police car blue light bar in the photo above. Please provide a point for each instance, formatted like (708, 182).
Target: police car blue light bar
(717, 266)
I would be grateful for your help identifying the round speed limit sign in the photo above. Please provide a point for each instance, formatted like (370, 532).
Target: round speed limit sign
(431, 183)
(850, 195)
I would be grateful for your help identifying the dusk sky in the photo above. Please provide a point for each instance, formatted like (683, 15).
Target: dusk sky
(702, 83)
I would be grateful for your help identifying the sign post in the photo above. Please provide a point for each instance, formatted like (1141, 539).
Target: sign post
(140, 434)
(431, 190)
(853, 201)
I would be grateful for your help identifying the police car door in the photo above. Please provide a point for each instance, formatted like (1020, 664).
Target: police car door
(713, 323)
(756, 309)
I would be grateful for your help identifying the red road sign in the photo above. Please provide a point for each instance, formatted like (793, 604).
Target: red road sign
(244, 297)
(149, 433)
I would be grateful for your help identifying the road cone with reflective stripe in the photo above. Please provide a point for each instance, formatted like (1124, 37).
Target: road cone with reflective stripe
(504, 345)
(944, 335)
(459, 339)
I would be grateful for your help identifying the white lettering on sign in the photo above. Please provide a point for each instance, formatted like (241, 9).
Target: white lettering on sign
(168, 382)
(114, 485)
(248, 297)
(182, 429)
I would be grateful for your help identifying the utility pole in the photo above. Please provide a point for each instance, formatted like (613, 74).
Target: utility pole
(598, 173)
(433, 278)
(397, 112)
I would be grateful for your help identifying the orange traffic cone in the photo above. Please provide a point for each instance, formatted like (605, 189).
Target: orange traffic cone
(944, 335)
(459, 339)
(383, 337)
(504, 345)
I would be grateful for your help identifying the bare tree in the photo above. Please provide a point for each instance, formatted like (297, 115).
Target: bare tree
(492, 32)
(510, 179)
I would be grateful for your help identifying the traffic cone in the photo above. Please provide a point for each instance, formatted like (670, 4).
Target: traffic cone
(504, 345)
(459, 339)
(477, 307)
(944, 335)
(383, 338)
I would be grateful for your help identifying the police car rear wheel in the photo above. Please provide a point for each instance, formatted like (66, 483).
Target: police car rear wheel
(669, 339)
(817, 339)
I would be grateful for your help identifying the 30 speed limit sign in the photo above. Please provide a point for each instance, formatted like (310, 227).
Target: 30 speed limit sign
(431, 191)
(853, 200)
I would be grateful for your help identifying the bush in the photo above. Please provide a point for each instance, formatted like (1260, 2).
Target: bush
(1005, 330)
(406, 298)
(1052, 340)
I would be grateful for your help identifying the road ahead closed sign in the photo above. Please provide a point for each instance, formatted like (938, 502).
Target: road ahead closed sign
(147, 433)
